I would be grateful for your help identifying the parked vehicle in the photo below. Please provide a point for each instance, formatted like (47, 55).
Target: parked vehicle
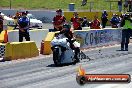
(7, 20)
(35, 23)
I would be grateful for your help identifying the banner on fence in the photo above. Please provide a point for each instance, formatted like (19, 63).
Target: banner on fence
(95, 38)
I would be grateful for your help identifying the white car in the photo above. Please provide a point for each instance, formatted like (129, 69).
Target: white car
(7, 20)
(34, 22)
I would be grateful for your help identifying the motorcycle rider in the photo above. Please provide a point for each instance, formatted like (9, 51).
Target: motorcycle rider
(71, 39)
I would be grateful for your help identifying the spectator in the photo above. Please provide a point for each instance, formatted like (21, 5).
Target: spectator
(1, 23)
(130, 5)
(84, 2)
(27, 12)
(120, 5)
(24, 27)
(95, 24)
(10, 16)
(58, 20)
(104, 18)
(18, 14)
(121, 19)
(126, 6)
(16, 18)
(115, 21)
(85, 22)
(126, 32)
(76, 21)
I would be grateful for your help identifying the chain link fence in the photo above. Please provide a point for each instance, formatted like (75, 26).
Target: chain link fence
(91, 5)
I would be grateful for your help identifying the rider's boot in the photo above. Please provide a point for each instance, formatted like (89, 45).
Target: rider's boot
(77, 51)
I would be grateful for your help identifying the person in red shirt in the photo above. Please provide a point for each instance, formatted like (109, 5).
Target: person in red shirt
(58, 20)
(95, 24)
(76, 21)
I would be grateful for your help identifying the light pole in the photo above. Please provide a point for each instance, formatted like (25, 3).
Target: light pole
(10, 4)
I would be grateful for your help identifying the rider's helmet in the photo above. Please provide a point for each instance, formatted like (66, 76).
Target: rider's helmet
(67, 26)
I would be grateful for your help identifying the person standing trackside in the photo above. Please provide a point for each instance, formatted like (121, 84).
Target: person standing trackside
(24, 27)
(120, 5)
(1, 23)
(126, 23)
(85, 22)
(126, 6)
(58, 20)
(130, 5)
(76, 21)
(104, 18)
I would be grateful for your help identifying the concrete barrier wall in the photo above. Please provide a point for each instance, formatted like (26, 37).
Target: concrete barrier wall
(96, 38)
(36, 35)
(2, 36)
(47, 43)
(90, 38)
(18, 50)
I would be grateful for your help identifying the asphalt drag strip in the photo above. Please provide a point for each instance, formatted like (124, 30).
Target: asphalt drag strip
(39, 72)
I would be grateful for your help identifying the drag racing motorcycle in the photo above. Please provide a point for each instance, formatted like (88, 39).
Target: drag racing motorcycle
(62, 52)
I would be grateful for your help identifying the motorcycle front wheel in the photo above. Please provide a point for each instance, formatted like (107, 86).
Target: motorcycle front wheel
(56, 57)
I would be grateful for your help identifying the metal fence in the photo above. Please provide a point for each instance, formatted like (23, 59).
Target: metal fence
(91, 5)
